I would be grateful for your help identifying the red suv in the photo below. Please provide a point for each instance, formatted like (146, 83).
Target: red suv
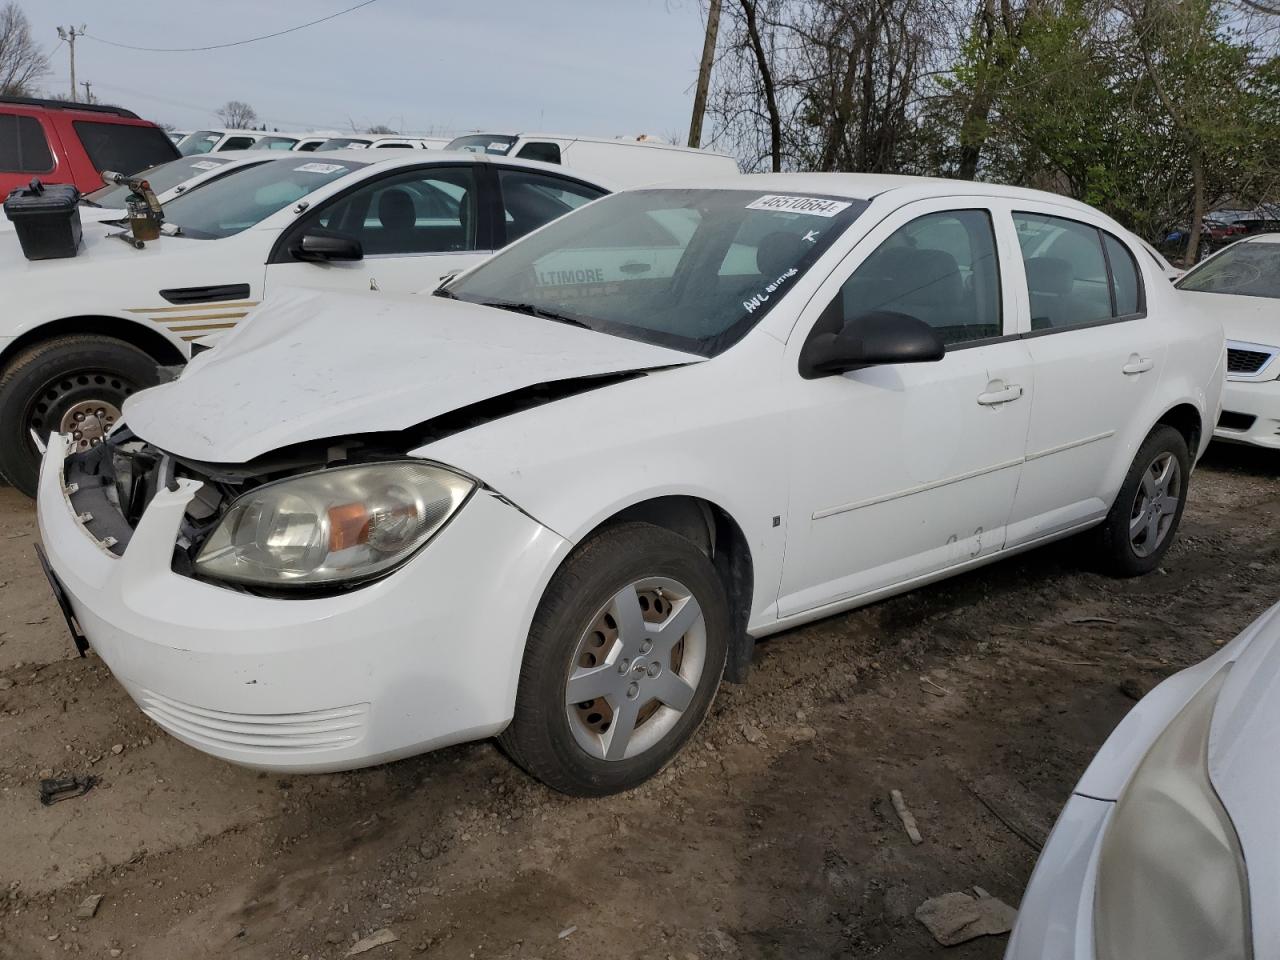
(74, 142)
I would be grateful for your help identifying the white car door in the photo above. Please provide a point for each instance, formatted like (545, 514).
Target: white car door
(901, 471)
(414, 226)
(1098, 358)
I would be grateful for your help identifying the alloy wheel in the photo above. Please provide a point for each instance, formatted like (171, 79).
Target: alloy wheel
(635, 669)
(1155, 505)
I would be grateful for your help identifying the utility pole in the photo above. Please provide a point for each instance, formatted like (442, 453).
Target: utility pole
(704, 74)
(69, 35)
(88, 94)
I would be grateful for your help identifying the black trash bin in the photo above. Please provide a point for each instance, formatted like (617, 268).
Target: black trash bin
(46, 219)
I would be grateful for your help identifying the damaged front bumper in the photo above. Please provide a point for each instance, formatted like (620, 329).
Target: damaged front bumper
(426, 657)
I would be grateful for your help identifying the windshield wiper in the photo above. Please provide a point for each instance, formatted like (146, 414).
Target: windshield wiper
(531, 310)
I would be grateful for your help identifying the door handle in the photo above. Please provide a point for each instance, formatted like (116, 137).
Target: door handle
(1137, 365)
(996, 397)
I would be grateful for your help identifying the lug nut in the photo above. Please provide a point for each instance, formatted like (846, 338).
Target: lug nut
(633, 691)
(624, 665)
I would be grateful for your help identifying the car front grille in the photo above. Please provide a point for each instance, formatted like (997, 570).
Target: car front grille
(278, 733)
(1246, 361)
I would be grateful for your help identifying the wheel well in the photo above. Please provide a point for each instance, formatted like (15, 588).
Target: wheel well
(131, 332)
(718, 535)
(1186, 420)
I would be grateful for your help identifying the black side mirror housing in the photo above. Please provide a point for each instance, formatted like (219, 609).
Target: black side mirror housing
(321, 246)
(868, 340)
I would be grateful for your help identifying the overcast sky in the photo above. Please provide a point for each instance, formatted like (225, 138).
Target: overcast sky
(605, 67)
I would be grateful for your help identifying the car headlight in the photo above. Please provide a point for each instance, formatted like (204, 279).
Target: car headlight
(1171, 875)
(337, 525)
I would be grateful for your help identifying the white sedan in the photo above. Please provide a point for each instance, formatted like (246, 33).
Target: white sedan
(561, 499)
(78, 335)
(1241, 286)
(1167, 849)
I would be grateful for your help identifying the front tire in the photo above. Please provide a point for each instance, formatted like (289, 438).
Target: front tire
(624, 658)
(73, 384)
(1145, 515)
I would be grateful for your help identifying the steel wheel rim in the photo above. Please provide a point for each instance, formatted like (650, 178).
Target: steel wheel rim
(88, 389)
(635, 669)
(1155, 505)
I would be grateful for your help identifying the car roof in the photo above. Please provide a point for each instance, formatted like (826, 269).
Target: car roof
(1262, 238)
(385, 159)
(623, 141)
(869, 186)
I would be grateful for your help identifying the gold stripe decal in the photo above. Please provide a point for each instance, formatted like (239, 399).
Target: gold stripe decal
(203, 326)
(212, 305)
(234, 315)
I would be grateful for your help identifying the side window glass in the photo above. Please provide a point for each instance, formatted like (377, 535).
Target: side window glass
(1124, 275)
(530, 200)
(940, 268)
(23, 147)
(237, 143)
(423, 211)
(546, 152)
(1066, 271)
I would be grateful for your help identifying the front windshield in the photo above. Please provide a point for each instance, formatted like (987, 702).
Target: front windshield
(233, 204)
(274, 143)
(482, 143)
(342, 143)
(1249, 268)
(689, 269)
(162, 177)
(202, 141)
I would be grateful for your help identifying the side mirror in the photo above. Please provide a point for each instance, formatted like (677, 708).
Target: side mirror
(321, 246)
(871, 339)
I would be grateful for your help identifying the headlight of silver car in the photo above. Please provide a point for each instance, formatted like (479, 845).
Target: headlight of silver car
(333, 526)
(1171, 876)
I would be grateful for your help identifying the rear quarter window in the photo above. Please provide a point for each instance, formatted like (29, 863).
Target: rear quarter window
(122, 147)
(23, 147)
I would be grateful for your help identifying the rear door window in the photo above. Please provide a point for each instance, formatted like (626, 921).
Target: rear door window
(237, 143)
(530, 200)
(123, 147)
(1071, 279)
(23, 147)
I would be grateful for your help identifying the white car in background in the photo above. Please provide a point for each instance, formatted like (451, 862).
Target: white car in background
(1240, 285)
(560, 508)
(625, 161)
(79, 335)
(382, 143)
(1169, 848)
(309, 142)
(168, 180)
(214, 141)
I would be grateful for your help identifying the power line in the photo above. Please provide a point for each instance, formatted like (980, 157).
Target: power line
(235, 43)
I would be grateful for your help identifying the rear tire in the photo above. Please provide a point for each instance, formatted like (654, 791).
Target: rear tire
(607, 697)
(75, 384)
(1144, 518)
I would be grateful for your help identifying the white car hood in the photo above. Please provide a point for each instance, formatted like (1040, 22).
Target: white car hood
(1244, 767)
(313, 365)
(1251, 319)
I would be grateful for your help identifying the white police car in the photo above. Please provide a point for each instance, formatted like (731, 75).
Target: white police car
(79, 335)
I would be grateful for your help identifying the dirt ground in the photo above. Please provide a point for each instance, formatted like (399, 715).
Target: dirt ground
(981, 698)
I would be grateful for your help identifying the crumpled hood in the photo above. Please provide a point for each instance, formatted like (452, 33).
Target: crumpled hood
(310, 365)
(1244, 767)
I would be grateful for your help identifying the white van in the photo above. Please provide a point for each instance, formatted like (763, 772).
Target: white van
(624, 161)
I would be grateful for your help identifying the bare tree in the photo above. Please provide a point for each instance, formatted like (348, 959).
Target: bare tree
(22, 62)
(237, 115)
(382, 129)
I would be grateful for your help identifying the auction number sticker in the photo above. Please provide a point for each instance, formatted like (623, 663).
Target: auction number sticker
(813, 206)
(319, 168)
(205, 165)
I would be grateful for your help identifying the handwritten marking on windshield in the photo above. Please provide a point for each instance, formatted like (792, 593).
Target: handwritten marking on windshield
(759, 300)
